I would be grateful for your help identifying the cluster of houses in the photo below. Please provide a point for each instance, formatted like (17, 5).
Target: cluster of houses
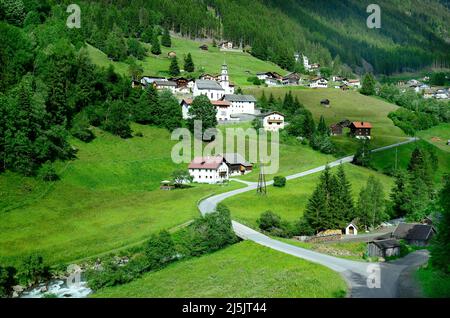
(219, 168)
(426, 90)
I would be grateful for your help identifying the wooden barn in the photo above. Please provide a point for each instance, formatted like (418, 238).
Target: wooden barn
(325, 102)
(383, 248)
(336, 130)
(414, 234)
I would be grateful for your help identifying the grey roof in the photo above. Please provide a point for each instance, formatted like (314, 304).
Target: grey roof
(235, 158)
(165, 83)
(205, 84)
(389, 243)
(413, 231)
(239, 98)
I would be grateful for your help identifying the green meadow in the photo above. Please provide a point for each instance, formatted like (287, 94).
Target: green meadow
(290, 202)
(438, 136)
(241, 65)
(243, 270)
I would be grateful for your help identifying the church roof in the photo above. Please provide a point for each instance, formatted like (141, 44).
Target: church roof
(205, 84)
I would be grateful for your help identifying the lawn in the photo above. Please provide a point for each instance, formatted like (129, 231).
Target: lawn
(349, 105)
(244, 270)
(106, 199)
(438, 136)
(241, 66)
(290, 202)
(385, 161)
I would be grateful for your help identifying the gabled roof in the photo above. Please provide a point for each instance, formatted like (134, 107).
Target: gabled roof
(421, 232)
(272, 113)
(218, 103)
(384, 244)
(235, 158)
(205, 84)
(206, 163)
(361, 124)
(239, 98)
(165, 83)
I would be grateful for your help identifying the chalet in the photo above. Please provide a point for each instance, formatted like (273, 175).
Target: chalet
(237, 164)
(203, 47)
(361, 130)
(223, 108)
(273, 121)
(241, 104)
(336, 130)
(338, 79)
(355, 83)
(211, 169)
(414, 234)
(210, 77)
(169, 85)
(319, 82)
(291, 79)
(325, 102)
(383, 248)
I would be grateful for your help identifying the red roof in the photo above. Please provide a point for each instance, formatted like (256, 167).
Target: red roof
(217, 103)
(206, 163)
(361, 124)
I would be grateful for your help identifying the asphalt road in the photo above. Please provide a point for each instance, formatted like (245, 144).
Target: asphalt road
(365, 280)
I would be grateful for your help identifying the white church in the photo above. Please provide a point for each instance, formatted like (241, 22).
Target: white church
(214, 90)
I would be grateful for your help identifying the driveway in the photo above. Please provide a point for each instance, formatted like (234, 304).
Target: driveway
(365, 280)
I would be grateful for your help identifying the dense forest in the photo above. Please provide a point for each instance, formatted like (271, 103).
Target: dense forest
(329, 32)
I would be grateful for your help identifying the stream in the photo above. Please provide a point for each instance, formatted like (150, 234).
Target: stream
(59, 289)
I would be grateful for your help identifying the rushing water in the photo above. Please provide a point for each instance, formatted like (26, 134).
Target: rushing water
(60, 289)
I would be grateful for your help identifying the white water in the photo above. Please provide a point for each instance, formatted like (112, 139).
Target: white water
(60, 289)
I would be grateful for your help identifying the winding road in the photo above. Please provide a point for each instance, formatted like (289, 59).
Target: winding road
(365, 280)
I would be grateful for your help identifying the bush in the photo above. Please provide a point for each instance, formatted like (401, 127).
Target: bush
(7, 280)
(269, 220)
(255, 81)
(33, 270)
(81, 128)
(47, 172)
(279, 181)
(303, 228)
(160, 250)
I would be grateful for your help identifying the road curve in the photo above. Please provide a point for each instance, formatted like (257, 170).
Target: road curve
(359, 275)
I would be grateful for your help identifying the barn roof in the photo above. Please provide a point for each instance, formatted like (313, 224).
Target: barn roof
(206, 163)
(384, 244)
(409, 231)
(165, 83)
(235, 159)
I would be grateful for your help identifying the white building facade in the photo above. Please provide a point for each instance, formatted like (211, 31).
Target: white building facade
(319, 83)
(241, 104)
(273, 121)
(209, 170)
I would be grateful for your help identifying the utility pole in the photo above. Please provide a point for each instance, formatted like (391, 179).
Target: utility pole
(396, 158)
(262, 187)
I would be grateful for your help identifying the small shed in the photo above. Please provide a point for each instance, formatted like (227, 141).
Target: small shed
(203, 47)
(167, 185)
(336, 129)
(351, 229)
(325, 102)
(383, 248)
(172, 54)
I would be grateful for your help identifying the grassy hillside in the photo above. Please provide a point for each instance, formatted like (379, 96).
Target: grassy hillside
(349, 105)
(438, 136)
(241, 65)
(242, 270)
(106, 199)
(290, 202)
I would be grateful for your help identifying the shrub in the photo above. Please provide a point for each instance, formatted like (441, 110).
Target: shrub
(160, 250)
(7, 280)
(304, 228)
(33, 270)
(279, 181)
(47, 172)
(269, 220)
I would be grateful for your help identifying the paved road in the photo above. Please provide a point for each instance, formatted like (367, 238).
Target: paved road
(357, 274)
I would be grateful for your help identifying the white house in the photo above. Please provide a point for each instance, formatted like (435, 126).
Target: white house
(273, 121)
(223, 108)
(169, 85)
(356, 83)
(145, 80)
(351, 229)
(319, 82)
(211, 169)
(241, 104)
(227, 45)
(306, 63)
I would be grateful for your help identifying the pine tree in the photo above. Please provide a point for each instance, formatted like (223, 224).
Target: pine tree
(371, 205)
(399, 194)
(262, 102)
(345, 200)
(189, 64)
(288, 104)
(174, 69)
(322, 128)
(314, 213)
(172, 116)
(440, 256)
(368, 85)
(166, 40)
(363, 155)
(147, 110)
(148, 35)
(156, 47)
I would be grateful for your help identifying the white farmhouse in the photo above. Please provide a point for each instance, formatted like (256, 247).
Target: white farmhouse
(319, 82)
(168, 85)
(223, 108)
(356, 83)
(273, 121)
(209, 170)
(241, 104)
